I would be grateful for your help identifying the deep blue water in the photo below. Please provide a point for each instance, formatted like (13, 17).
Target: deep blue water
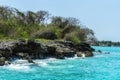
(100, 67)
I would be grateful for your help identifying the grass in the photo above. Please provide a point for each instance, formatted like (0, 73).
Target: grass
(44, 40)
(6, 39)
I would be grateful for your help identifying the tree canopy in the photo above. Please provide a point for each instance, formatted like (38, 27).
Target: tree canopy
(16, 24)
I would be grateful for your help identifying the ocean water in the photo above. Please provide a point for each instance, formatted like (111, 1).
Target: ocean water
(100, 67)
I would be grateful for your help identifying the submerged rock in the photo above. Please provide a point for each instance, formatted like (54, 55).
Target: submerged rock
(107, 52)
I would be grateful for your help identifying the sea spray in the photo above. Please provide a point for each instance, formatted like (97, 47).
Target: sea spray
(73, 58)
(19, 65)
(99, 67)
(83, 56)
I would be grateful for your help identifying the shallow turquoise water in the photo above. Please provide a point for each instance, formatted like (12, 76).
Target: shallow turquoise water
(99, 67)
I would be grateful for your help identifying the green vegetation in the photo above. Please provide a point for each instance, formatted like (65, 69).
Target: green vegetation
(44, 40)
(15, 24)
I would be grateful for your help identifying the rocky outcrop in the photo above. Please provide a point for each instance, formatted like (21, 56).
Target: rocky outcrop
(84, 54)
(84, 47)
(59, 50)
(2, 61)
(32, 49)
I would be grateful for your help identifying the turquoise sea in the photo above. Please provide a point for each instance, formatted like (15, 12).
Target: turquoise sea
(100, 67)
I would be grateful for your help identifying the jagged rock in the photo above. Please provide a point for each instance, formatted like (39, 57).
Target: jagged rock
(51, 49)
(88, 54)
(22, 40)
(84, 47)
(59, 50)
(84, 54)
(59, 55)
(2, 61)
(29, 60)
(6, 49)
(79, 54)
(7, 62)
(35, 50)
(64, 52)
(21, 55)
(66, 43)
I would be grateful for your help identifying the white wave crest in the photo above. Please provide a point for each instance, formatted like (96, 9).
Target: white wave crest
(52, 59)
(75, 57)
(19, 65)
(43, 64)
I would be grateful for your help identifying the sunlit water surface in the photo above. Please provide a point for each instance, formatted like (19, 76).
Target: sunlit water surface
(100, 67)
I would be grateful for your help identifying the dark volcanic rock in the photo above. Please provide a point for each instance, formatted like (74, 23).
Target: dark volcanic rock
(85, 54)
(35, 50)
(79, 54)
(84, 47)
(51, 51)
(59, 51)
(88, 54)
(2, 61)
(64, 52)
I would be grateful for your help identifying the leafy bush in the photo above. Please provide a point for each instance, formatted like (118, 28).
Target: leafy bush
(24, 34)
(72, 37)
(46, 35)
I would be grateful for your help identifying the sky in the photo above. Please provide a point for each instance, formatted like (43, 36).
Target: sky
(102, 16)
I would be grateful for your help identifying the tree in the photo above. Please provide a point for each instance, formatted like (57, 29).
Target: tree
(20, 17)
(72, 21)
(42, 17)
(62, 22)
(90, 35)
(30, 17)
(88, 31)
(57, 21)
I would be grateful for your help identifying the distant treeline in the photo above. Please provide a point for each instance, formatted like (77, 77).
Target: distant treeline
(106, 43)
(16, 24)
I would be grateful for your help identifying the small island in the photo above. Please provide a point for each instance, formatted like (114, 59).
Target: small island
(38, 35)
(59, 40)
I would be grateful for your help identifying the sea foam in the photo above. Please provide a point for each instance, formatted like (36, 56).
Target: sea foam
(19, 65)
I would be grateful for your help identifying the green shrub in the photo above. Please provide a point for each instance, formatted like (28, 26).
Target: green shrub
(72, 37)
(58, 32)
(24, 34)
(46, 34)
(2, 36)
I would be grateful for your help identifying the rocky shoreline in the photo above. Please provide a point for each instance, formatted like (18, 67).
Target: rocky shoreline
(33, 49)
